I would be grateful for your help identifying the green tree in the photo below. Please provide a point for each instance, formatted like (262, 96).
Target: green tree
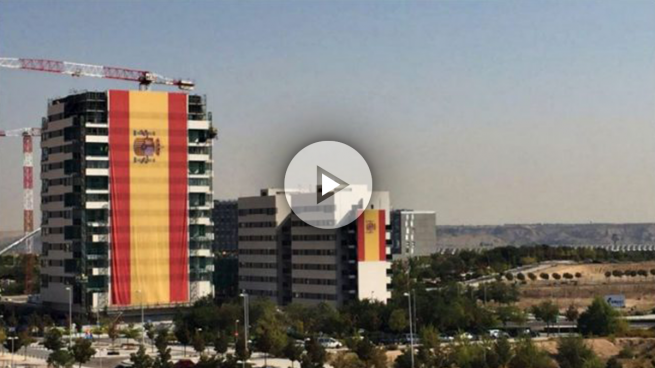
(198, 342)
(292, 351)
(573, 353)
(271, 337)
(502, 352)
(151, 332)
(221, 342)
(370, 355)
(60, 359)
(546, 311)
(572, 313)
(182, 333)
(528, 355)
(240, 350)
(82, 351)
(113, 332)
(315, 356)
(599, 319)
(398, 320)
(25, 338)
(163, 359)
(53, 340)
(141, 359)
(510, 313)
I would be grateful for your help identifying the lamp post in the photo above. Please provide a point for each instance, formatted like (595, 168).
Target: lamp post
(70, 315)
(246, 324)
(12, 349)
(143, 326)
(411, 328)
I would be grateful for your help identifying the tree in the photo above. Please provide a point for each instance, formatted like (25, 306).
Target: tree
(510, 313)
(599, 319)
(240, 350)
(608, 274)
(271, 337)
(163, 359)
(398, 320)
(198, 342)
(544, 276)
(572, 313)
(53, 340)
(546, 311)
(82, 351)
(578, 275)
(532, 276)
(556, 276)
(528, 355)
(113, 332)
(292, 351)
(3, 337)
(573, 353)
(182, 333)
(502, 352)
(315, 356)
(25, 338)
(60, 359)
(150, 333)
(13, 344)
(346, 360)
(141, 359)
(221, 343)
(370, 355)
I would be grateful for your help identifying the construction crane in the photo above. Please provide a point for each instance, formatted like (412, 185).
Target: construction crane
(28, 196)
(144, 78)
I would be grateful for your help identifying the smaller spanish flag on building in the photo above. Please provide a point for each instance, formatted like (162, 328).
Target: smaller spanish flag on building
(371, 236)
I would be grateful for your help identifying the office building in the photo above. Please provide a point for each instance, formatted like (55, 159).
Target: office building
(225, 217)
(126, 202)
(283, 258)
(413, 233)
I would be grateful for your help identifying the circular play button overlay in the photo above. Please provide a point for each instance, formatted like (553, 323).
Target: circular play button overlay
(328, 184)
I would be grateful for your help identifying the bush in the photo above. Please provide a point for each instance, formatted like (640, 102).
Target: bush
(556, 276)
(578, 275)
(544, 276)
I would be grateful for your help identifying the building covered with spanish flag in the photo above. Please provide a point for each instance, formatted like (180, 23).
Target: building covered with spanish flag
(127, 201)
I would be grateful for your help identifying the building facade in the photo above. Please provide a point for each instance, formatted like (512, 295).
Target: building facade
(225, 217)
(413, 233)
(126, 201)
(287, 260)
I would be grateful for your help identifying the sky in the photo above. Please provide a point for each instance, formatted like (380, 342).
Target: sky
(487, 112)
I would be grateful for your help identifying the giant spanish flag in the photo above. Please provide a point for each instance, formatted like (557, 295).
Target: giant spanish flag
(148, 202)
(371, 236)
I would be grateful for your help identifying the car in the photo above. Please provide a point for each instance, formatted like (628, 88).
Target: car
(446, 338)
(329, 343)
(410, 338)
(466, 336)
(497, 334)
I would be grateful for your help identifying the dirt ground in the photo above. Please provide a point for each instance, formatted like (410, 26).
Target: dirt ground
(639, 291)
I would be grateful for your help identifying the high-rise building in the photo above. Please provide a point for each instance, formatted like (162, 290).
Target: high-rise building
(413, 233)
(225, 216)
(126, 202)
(287, 260)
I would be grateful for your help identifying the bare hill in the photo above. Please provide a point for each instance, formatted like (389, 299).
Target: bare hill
(551, 234)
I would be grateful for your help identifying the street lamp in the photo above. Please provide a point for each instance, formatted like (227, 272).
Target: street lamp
(246, 324)
(411, 328)
(143, 326)
(12, 349)
(70, 315)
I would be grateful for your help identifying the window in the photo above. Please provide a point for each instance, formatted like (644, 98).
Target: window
(197, 199)
(196, 168)
(97, 149)
(97, 182)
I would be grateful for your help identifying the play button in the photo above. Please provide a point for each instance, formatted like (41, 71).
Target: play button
(327, 184)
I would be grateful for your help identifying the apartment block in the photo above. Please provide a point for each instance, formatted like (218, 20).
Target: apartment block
(126, 201)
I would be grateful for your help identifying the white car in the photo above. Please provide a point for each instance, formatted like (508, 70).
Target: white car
(329, 343)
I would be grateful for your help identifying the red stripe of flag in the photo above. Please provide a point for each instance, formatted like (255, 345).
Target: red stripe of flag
(382, 236)
(178, 211)
(119, 175)
(361, 247)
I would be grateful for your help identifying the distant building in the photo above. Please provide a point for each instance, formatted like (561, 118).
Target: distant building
(413, 233)
(225, 216)
(286, 260)
(125, 200)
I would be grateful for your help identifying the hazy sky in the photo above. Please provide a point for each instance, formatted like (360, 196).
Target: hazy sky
(485, 111)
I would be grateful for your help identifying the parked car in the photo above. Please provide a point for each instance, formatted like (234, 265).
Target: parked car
(329, 343)
(408, 338)
(497, 334)
(466, 336)
(446, 338)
